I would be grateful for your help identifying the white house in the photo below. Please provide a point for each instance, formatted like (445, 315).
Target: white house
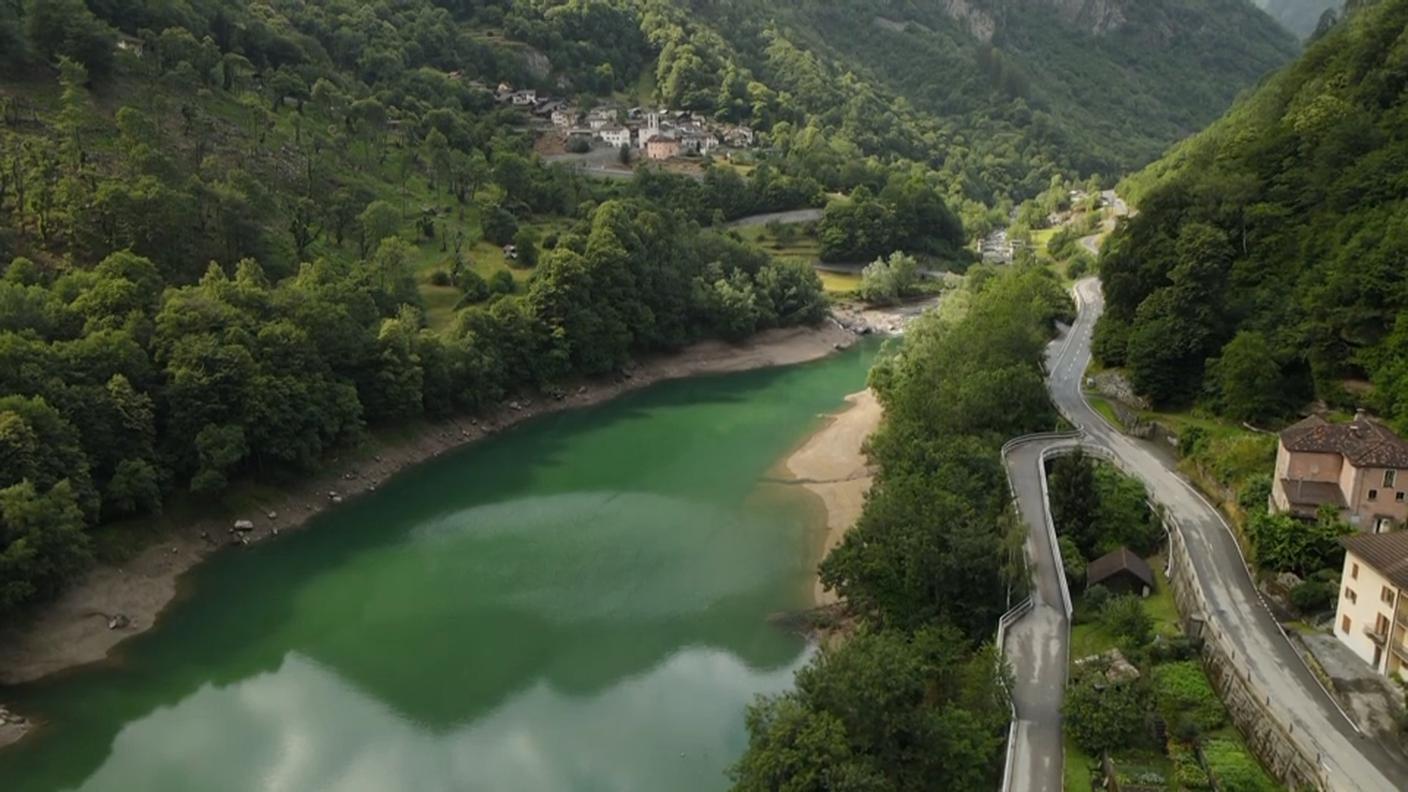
(615, 136)
(1371, 618)
(525, 97)
(565, 117)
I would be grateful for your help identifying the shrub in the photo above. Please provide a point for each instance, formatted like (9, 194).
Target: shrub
(1125, 618)
(578, 145)
(1102, 716)
(1188, 772)
(440, 278)
(1185, 695)
(502, 282)
(1313, 596)
(1096, 596)
(473, 286)
(1179, 647)
(1072, 560)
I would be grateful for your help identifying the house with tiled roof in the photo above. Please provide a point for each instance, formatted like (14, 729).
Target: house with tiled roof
(1371, 617)
(1359, 468)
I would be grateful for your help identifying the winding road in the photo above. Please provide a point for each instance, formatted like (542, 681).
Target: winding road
(1037, 645)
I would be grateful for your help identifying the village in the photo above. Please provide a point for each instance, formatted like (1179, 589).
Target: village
(656, 134)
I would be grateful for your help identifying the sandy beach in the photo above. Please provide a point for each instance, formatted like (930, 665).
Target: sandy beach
(75, 629)
(832, 465)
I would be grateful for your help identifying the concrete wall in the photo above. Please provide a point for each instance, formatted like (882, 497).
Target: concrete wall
(1307, 466)
(1385, 503)
(1251, 709)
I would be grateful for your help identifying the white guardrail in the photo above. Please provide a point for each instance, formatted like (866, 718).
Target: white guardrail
(1021, 609)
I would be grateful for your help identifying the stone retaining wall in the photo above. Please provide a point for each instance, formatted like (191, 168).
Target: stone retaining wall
(1274, 744)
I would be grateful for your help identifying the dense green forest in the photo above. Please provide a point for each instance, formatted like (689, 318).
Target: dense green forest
(916, 700)
(1265, 266)
(222, 240)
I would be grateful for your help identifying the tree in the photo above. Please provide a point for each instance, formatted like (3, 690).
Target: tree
(67, 28)
(1124, 617)
(378, 221)
(886, 281)
(498, 223)
(526, 242)
(45, 546)
(1104, 716)
(1248, 379)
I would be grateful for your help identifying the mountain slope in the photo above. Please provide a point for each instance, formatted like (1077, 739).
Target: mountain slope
(1267, 263)
(1101, 85)
(1301, 17)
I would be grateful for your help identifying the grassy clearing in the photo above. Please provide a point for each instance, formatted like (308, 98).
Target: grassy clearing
(839, 282)
(1079, 768)
(1102, 405)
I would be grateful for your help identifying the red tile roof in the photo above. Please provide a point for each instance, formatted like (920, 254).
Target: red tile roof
(1364, 441)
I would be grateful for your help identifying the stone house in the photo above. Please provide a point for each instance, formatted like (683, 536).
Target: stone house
(1371, 617)
(662, 147)
(1359, 468)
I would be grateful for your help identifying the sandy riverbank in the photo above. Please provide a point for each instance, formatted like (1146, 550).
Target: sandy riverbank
(74, 631)
(832, 465)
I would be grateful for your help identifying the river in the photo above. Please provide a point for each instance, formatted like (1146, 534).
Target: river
(580, 603)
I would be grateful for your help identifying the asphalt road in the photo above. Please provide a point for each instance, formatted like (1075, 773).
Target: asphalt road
(1348, 760)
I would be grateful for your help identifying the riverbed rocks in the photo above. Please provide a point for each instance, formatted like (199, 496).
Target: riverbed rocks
(119, 621)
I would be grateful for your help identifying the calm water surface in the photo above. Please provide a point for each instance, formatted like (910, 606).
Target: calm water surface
(578, 604)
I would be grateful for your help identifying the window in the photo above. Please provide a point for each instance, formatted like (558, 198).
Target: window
(1398, 496)
(1350, 595)
(1354, 572)
(1373, 494)
(1380, 624)
(1386, 595)
(1389, 477)
(1344, 624)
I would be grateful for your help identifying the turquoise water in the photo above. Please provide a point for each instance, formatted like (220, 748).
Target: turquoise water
(580, 603)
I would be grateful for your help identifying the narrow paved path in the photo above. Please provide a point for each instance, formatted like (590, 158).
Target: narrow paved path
(1348, 760)
(786, 218)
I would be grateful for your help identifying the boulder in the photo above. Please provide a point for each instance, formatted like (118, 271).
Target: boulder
(1288, 580)
(244, 525)
(118, 621)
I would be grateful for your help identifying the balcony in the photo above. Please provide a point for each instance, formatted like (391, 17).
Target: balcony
(1400, 651)
(1377, 635)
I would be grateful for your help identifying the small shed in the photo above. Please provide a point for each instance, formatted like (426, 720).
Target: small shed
(1120, 571)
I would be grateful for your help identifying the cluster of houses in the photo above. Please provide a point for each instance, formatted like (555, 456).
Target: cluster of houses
(1358, 470)
(660, 134)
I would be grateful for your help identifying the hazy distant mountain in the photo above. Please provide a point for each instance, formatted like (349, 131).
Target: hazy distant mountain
(1298, 16)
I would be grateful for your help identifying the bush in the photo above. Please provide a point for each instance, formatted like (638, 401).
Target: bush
(1072, 560)
(578, 145)
(1185, 696)
(473, 286)
(1102, 716)
(1125, 619)
(885, 281)
(440, 278)
(1096, 597)
(526, 240)
(1179, 647)
(1313, 596)
(502, 282)
(1188, 772)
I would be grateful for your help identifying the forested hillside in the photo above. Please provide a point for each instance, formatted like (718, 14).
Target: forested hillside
(1266, 264)
(222, 242)
(1020, 89)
